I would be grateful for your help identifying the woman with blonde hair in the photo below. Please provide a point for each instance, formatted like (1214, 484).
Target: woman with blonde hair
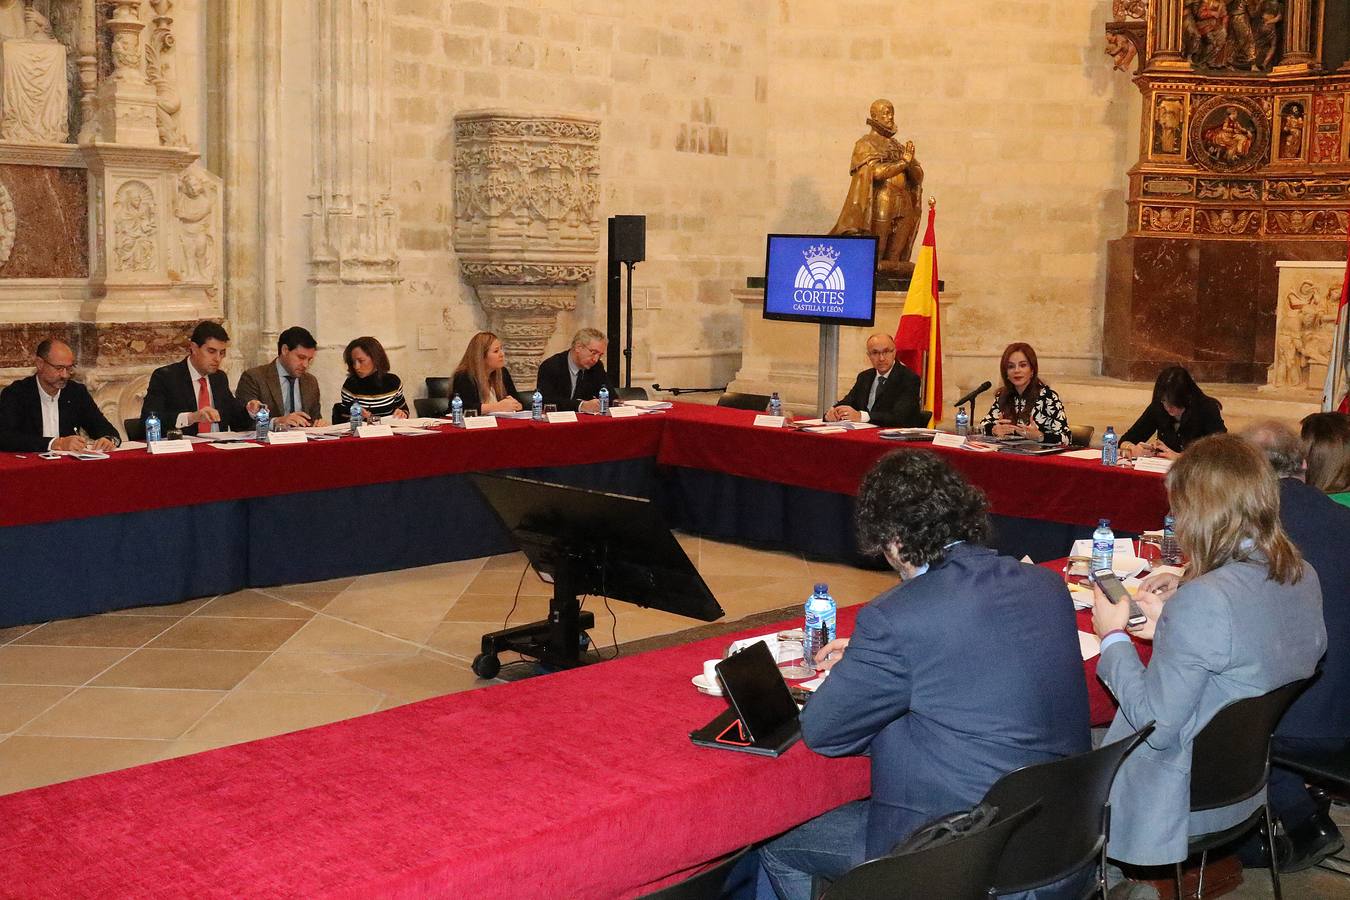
(481, 378)
(1245, 619)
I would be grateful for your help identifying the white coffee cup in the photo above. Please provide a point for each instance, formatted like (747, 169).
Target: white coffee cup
(710, 674)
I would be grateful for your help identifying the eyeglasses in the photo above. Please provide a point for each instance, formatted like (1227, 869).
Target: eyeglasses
(889, 351)
(69, 370)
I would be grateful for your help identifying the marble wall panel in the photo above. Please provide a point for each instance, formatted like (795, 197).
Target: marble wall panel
(51, 231)
(98, 344)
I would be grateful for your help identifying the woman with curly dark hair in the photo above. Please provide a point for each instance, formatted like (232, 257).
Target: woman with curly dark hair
(968, 669)
(1025, 406)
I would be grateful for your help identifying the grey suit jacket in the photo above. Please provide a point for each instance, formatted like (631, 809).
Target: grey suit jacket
(263, 383)
(1229, 634)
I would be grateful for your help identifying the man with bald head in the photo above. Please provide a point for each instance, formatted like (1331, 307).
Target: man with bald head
(1319, 720)
(48, 410)
(886, 394)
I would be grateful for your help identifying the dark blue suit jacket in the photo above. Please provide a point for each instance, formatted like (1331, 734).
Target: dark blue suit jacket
(952, 680)
(1320, 528)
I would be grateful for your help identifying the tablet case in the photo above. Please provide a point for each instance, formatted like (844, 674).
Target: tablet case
(763, 716)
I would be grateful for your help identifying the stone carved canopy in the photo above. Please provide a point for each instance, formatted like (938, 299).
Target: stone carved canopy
(526, 227)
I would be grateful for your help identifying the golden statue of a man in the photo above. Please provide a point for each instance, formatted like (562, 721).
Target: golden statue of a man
(885, 194)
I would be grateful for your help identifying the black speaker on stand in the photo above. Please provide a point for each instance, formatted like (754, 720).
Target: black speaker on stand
(627, 246)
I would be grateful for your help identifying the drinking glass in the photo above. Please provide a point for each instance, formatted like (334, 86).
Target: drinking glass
(550, 408)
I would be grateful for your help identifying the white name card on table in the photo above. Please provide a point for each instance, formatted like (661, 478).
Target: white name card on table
(1155, 464)
(473, 423)
(157, 448)
(947, 439)
(556, 418)
(366, 431)
(284, 438)
(624, 412)
(763, 421)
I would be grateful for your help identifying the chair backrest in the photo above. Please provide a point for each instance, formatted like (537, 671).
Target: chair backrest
(1081, 435)
(438, 386)
(919, 419)
(134, 429)
(1071, 829)
(757, 402)
(706, 885)
(631, 393)
(960, 870)
(1230, 759)
(430, 407)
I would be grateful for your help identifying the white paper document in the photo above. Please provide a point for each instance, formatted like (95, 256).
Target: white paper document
(518, 414)
(413, 432)
(82, 454)
(825, 429)
(130, 445)
(1082, 454)
(249, 445)
(1154, 464)
(648, 404)
(419, 422)
(222, 437)
(1089, 645)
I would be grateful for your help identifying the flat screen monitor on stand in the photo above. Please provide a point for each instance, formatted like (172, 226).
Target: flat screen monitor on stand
(826, 280)
(587, 543)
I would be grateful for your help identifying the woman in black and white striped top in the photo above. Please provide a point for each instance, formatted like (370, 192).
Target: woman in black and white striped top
(370, 383)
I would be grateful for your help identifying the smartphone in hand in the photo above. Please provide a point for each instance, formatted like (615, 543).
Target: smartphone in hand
(1116, 593)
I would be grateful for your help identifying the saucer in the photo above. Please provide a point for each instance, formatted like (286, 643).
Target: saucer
(713, 690)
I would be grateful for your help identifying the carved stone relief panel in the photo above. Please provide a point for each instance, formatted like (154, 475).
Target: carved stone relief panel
(135, 242)
(1169, 126)
(1328, 122)
(1309, 294)
(1165, 219)
(1231, 222)
(1290, 144)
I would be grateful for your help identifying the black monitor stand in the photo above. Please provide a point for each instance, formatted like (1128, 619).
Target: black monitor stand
(554, 642)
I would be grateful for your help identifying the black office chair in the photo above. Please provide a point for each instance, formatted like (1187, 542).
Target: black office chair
(431, 407)
(1075, 819)
(756, 402)
(438, 386)
(1329, 769)
(920, 419)
(706, 885)
(633, 393)
(1230, 762)
(134, 429)
(1081, 435)
(962, 869)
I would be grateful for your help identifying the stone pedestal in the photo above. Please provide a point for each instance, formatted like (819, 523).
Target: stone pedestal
(785, 356)
(1207, 305)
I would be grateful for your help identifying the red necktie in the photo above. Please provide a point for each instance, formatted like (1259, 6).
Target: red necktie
(203, 401)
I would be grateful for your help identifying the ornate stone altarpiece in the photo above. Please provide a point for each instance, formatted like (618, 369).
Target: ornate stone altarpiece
(527, 227)
(1244, 160)
(111, 236)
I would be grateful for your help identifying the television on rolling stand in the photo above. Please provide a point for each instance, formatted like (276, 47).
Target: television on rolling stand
(821, 279)
(587, 543)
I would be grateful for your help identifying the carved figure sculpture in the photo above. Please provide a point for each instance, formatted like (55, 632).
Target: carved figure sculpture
(35, 94)
(1303, 336)
(134, 227)
(1167, 120)
(1231, 34)
(1291, 132)
(885, 193)
(1121, 50)
(193, 207)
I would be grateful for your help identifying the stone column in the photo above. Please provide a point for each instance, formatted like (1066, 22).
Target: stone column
(527, 229)
(1164, 36)
(87, 66)
(127, 109)
(1298, 38)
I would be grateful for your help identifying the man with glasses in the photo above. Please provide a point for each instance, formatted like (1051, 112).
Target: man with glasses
(572, 379)
(886, 394)
(47, 410)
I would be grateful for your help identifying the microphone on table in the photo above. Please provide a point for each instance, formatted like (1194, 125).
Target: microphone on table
(970, 398)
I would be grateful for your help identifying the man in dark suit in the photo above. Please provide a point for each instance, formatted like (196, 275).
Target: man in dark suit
(194, 395)
(886, 394)
(284, 384)
(1319, 720)
(572, 379)
(968, 669)
(47, 405)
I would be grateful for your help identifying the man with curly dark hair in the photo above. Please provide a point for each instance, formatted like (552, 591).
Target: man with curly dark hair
(966, 670)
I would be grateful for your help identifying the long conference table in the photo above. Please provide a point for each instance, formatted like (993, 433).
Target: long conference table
(80, 537)
(581, 784)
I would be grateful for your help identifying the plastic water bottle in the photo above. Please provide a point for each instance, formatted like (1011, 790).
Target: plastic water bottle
(537, 407)
(1110, 447)
(819, 626)
(263, 420)
(962, 421)
(152, 429)
(457, 411)
(1103, 545)
(1171, 553)
(604, 400)
(355, 413)
(775, 405)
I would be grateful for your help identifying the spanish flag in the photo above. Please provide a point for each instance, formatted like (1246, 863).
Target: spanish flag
(1336, 393)
(918, 339)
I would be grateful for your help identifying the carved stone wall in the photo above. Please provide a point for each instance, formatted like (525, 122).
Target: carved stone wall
(1305, 323)
(527, 228)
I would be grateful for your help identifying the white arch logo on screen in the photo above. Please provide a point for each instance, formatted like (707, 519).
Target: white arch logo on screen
(821, 270)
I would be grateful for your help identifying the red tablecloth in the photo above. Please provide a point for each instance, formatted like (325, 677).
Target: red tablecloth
(1072, 491)
(1077, 492)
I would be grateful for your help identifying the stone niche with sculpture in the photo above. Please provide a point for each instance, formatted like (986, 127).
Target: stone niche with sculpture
(110, 230)
(1244, 161)
(526, 228)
